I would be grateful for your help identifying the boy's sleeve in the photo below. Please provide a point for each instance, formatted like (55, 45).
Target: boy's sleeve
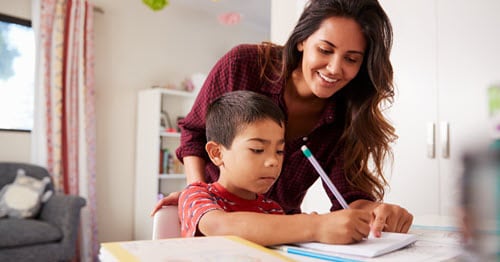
(194, 202)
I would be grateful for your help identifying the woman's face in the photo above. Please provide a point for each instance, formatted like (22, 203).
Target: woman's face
(332, 56)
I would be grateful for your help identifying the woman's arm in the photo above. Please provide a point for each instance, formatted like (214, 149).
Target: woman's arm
(194, 168)
(339, 227)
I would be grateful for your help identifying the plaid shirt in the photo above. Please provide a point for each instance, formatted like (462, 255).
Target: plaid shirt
(239, 69)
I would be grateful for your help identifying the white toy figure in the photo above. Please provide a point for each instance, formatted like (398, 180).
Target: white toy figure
(23, 198)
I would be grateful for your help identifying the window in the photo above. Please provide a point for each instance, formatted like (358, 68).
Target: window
(17, 73)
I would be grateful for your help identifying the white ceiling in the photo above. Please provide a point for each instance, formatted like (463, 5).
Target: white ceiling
(255, 12)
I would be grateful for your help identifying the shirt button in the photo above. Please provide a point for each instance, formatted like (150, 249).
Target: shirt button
(304, 139)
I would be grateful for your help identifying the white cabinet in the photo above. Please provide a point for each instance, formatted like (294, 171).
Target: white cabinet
(150, 137)
(445, 56)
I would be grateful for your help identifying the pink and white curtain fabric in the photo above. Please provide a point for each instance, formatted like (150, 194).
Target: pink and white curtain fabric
(63, 137)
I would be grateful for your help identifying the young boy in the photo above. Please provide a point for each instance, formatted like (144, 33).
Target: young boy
(246, 140)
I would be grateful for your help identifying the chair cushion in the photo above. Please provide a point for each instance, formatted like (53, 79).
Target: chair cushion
(23, 198)
(22, 232)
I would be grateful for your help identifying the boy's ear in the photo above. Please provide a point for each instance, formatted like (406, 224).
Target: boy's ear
(214, 152)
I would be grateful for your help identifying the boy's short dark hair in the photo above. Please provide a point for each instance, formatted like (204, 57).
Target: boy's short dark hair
(232, 111)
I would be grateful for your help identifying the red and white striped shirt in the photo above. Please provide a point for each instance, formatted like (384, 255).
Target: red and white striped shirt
(198, 198)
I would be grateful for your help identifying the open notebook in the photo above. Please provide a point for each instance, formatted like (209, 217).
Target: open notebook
(214, 248)
(370, 247)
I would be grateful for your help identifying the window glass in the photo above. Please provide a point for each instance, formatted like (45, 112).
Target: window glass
(17, 73)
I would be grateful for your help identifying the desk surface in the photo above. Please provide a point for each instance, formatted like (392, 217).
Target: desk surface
(438, 240)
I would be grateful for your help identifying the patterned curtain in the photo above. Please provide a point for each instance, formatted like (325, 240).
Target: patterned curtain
(63, 137)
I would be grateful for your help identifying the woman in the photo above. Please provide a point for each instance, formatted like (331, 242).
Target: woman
(330, 78)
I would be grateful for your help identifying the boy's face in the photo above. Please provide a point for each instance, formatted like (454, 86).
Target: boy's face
(254, 161)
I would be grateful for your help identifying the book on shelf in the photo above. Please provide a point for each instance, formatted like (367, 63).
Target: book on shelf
(165, 161)
(169, 164)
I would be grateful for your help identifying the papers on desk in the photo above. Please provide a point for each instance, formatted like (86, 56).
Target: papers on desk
(370, 247)
(432, 244)
(222, 248)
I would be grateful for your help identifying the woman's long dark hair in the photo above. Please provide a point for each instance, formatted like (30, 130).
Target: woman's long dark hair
(367, 134)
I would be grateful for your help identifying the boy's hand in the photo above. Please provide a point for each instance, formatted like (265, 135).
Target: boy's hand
(171, 200)
(343, 226)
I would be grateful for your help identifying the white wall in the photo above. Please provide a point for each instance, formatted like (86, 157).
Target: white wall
(18, 8)
(135, 48)
(284, 16)
(15, 146)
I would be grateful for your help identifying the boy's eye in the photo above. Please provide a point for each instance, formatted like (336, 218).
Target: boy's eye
(257, 151)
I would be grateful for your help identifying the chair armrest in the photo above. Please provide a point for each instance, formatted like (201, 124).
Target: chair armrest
(63, 211)
(166, 223)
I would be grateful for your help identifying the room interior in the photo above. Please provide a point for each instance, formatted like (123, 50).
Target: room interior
(137, 48)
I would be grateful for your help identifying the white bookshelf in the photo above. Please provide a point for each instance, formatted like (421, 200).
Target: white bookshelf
(149, 182)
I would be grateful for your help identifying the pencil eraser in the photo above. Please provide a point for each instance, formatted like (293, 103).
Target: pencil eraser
(306, 151)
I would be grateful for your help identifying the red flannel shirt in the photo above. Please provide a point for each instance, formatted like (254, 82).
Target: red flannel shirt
(198, 198)
(239, 70)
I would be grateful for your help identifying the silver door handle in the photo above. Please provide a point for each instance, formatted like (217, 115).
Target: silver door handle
(431, 139)
(445, 139)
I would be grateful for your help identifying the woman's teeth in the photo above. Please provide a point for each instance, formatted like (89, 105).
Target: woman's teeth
(327, 79)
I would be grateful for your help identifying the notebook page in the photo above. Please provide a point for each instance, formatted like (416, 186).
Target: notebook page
(370, 247)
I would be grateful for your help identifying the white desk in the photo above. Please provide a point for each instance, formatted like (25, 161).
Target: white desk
(439, 240)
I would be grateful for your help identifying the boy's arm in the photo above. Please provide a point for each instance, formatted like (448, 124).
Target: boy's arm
(339, 227)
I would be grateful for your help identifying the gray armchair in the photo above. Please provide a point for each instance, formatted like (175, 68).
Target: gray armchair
(51, 236)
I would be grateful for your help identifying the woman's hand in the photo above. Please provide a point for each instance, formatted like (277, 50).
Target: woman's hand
(385, 217)
(171, 200)
(390, 218)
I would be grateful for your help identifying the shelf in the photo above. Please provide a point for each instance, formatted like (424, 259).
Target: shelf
(170, 134)
(150, 137)
(172, 176)
(176, 92)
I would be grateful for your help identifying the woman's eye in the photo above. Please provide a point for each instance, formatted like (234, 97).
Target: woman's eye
(325, 51)
(257, 151)
(280, 152)
(351, 60)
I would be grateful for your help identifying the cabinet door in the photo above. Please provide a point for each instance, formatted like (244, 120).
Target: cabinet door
(468, 63)
(444, 57)
(414, 176)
